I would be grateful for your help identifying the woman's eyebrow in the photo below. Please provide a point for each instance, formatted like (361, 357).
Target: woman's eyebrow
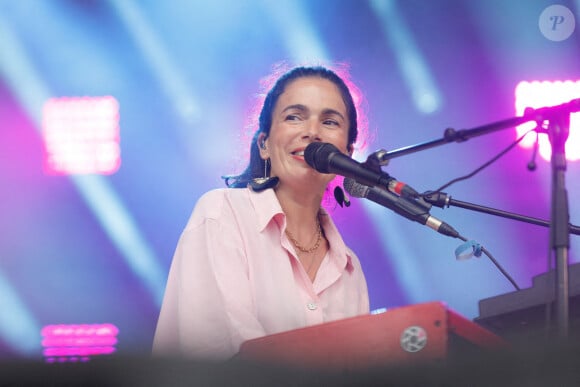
(331, 112)
(297, 106)
(304, 108)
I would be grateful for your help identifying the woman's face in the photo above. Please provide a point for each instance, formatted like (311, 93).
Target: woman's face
(310, 109)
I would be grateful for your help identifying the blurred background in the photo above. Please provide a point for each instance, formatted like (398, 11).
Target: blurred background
(115, 116)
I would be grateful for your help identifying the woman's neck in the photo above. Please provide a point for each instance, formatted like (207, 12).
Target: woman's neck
(301, 210)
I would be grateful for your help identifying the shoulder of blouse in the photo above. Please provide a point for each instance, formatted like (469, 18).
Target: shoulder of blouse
(225, 203)
(212, 204)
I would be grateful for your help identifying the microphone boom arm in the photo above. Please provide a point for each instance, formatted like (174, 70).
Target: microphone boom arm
(442, 200)
(452, 135)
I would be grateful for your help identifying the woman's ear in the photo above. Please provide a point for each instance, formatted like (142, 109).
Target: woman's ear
(262, 146)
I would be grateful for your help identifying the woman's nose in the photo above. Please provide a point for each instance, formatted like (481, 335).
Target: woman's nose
(313, 130)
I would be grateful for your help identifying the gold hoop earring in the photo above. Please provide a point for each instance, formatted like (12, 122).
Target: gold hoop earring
(259, 184)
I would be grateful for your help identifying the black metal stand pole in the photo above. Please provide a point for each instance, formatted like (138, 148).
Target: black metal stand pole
(559, 128)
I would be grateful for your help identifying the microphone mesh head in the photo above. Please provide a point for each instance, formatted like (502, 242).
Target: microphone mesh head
(317, 155)
(355, 189)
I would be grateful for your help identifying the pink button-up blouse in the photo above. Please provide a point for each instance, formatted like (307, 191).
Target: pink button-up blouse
(235, 276)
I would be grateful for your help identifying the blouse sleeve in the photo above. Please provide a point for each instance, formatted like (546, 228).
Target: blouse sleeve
(208, 309)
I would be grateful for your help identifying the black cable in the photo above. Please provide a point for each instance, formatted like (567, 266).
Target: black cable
(477, 170)
(486, 164)
(496, 263)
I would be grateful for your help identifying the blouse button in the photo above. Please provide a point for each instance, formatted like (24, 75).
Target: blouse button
(311, 306)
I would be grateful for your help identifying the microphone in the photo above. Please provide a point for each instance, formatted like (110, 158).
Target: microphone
(415, 210)
(326, 158)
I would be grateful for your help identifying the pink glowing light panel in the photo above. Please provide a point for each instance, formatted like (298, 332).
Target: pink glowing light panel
(81, 135)
(78, 342)
(543, 94)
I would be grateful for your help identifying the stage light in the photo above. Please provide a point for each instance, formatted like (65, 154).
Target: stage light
(412, 64)
(78, 343)
(81, 135)
(538, 94)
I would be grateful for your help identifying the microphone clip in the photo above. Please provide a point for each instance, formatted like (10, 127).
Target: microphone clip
(376, 160)
(374, 163)
(439, 199)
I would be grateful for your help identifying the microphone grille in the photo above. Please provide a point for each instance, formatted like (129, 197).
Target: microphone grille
(317, 155)
(355, 189)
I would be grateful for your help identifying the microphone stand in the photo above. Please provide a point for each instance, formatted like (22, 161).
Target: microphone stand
(558, 131)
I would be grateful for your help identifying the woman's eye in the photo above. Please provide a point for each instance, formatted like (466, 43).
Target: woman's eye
(292, 117)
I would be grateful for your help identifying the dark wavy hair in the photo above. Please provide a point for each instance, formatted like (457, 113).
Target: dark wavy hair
(256, 166)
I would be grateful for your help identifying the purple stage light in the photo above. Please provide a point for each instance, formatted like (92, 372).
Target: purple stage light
(78, 342)
(538, 94)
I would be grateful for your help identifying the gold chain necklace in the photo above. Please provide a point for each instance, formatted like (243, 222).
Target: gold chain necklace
(303, 249)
